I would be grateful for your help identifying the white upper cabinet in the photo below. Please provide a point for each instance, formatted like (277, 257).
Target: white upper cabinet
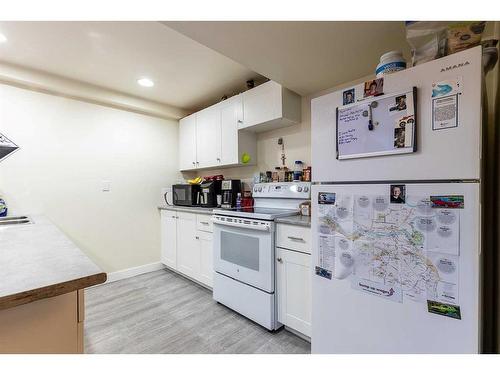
(223, 135)
(231, 115)
(270, 106)
(208, 137)
(187, 142)
(218, 140)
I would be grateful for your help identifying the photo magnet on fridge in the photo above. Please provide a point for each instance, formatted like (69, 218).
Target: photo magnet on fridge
(447, 201)
(403, 132)
(398, 193)
(399, 104)
(323, 273)
(326, 198)
(375, 87)
(444, 309)
(348, 96)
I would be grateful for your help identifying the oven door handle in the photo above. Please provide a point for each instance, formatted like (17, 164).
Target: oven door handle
(262, 228)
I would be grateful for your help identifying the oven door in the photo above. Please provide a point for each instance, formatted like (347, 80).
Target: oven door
(244, 250)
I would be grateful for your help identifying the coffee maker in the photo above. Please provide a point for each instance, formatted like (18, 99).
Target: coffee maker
(209, 190)
(230, 190)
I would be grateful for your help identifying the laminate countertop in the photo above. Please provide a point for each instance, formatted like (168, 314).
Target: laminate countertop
(38, 261)
(303, 221)
(194, 210)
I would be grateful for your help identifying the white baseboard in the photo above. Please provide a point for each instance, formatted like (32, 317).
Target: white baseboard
(134, 271)
(297, 333)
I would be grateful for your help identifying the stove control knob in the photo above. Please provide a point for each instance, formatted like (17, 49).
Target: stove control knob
(260, 189)
(306, 189)
(255, 189)
(299, 189)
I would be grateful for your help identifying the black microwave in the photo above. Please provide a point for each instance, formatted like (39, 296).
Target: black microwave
(185, 195)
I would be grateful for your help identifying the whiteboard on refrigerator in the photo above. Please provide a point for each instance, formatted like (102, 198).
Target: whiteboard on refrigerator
(382, 125)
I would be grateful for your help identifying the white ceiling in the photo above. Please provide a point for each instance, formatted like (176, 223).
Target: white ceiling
(306, 57)
(115, 54)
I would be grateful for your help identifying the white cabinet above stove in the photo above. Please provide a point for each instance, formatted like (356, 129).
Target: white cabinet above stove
(270, 106)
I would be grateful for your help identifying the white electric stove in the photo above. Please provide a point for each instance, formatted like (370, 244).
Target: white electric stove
(244, 254)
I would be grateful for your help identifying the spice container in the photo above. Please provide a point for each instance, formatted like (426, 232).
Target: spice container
(281, 174)
(275, 176)
(306, 174)
(269, 176)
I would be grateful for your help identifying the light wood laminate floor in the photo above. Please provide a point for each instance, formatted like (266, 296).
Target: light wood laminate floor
(162, 312)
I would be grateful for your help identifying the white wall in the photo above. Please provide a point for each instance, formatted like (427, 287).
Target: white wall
(68, 148)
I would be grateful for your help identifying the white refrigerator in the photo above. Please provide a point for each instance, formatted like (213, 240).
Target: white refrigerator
(397, 235)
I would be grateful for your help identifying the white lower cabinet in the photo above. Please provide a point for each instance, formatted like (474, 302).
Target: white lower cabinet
(184, 247)
(205, 241)
(169, 238)
(188, 251)
(294, 289)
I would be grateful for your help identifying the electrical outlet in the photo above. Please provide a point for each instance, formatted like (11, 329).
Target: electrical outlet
(106, 185)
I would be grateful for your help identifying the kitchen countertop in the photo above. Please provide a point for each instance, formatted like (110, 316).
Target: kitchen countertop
(195, 210)
(38, 261)
(303, 221)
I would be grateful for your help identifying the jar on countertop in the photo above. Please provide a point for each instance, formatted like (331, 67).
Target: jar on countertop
(306, 175)
(297, 170)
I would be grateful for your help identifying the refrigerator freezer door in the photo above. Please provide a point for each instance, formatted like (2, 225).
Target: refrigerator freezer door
(348, 320)
(445, 154)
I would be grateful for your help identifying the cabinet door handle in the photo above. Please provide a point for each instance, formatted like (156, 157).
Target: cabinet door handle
(194, 163)
(240, 121)
(296, 238)
(204, 222)
(197, 237)
(218, 159)
(279, 260)
(173, 217)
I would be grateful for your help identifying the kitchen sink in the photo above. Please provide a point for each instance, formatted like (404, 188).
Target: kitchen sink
(15, 220)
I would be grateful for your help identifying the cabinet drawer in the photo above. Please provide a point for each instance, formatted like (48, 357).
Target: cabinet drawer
(204, 223)
(294, 237)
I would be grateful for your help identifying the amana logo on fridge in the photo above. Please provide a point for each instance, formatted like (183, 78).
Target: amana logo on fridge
(456, 66)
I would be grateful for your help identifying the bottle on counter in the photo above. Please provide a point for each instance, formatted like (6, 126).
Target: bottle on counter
(297, 171)
(269, 176)
(238, 201)
(307, 174)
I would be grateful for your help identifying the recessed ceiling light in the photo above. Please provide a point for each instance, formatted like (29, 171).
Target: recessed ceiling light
(146, 82)
(3, 38)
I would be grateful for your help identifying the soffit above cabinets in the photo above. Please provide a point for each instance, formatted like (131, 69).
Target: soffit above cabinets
(114, 55)
(305, 57)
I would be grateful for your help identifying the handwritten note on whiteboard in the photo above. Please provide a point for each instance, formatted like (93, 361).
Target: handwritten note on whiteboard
(393, 132)
(348, 135)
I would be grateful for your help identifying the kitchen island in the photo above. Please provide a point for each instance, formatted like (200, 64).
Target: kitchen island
(42, 279)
